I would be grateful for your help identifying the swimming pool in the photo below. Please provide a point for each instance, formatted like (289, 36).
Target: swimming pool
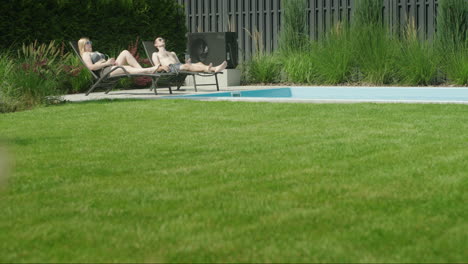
(345, 94)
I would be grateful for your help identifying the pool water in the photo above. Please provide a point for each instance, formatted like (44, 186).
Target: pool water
(423, 94)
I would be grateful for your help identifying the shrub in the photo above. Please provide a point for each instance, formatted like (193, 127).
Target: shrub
(112, 25)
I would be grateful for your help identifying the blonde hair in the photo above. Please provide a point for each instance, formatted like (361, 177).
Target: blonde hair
(82, 44)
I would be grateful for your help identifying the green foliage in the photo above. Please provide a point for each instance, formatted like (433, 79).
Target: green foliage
(324, 62)
(367, 12)
(112, 25)
(457, 67)
(7, 66)
(452, 24)
(299, 66)
(332, 59)
(294, 33)
(264, 69)
(77, 77)
(34, 77)
(417, 61)
(143, 181)
(375, 52)
(365, 52)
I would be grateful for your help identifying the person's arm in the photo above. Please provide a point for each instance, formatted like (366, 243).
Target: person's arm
(98, 65)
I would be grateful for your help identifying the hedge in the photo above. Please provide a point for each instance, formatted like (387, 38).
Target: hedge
(112, 25)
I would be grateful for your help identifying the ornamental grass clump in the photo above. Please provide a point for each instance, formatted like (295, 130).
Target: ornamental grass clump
(418, 62)
(452, 39)
(452, 24)
(41, 70)
(375, 49)
(327, 61)
(456, 67)
(34, 76)
(294, 33)
(6, 82)
(264, 69)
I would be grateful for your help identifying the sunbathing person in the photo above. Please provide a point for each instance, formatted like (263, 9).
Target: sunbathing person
(168, 61)
(98, 62)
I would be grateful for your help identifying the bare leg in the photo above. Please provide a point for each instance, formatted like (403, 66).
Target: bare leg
(126, 58)
(200, 67)
(197, 67)
(133, 70)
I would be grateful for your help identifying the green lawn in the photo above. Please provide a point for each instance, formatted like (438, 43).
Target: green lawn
(187, 181)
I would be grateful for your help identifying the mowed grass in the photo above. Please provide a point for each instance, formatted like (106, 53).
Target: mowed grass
(187, 181)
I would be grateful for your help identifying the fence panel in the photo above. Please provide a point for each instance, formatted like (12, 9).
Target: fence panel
(265, 16)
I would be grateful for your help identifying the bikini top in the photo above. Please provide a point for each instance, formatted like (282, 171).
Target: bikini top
(97, 56)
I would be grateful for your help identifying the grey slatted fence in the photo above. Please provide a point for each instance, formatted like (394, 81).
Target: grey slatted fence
(264, 16)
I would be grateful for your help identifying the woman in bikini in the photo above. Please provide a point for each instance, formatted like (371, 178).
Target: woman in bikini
(99, 62)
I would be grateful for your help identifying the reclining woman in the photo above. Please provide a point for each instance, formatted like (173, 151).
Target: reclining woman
(96, 61)
(168, 61)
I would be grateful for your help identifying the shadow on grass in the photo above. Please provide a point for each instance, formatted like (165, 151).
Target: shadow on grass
(5, 166)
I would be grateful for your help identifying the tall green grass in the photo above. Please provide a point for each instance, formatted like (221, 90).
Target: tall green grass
(375, 54)
(417, 61)
(452, 24)
(294, 33)
(7, 65)
(264, 69)
(456, 67)
(324, 62)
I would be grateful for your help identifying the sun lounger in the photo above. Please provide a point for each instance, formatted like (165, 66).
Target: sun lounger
(180, 78)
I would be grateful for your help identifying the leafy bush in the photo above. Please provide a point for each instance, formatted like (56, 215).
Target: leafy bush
(112, 25)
